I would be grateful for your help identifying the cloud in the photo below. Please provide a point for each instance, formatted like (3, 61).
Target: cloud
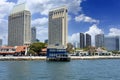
(42, 33)
(42, 28)
(114, 32)
(73, 38)
(5, 8)
(43, 6)
(83, 18)
(94, 30)
(40, 22)
(3, 30)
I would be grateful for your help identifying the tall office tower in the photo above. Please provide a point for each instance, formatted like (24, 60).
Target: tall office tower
(19, 26)
(33, 34)
(99, 40)
(46, 41)
(119, 43)
(0, 42)
(58, 26)
(88, 40)
(82, 40)
(112, 43)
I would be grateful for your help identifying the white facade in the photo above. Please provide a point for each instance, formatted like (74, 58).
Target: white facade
(19, 26)
(58, 26)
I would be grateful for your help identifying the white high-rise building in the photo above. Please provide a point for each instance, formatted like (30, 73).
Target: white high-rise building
(19, 26)
(58, 26)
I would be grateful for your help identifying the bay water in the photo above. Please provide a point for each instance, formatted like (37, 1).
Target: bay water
(104, 69)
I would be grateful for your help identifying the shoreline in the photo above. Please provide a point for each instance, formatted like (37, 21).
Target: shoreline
(27, 58)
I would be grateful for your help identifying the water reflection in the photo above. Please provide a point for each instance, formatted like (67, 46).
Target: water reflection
(19, 70)
(58, 70)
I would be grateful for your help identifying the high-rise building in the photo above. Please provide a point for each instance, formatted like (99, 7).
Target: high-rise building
(88, 40)
(46, 41)
(82, 40)
(0, 42)
(19, 26)
(119, 43)
(58, 26)
(111, 43)
(33, 34)
(99, 40)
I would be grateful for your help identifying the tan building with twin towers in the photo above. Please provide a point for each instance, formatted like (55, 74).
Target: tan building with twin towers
(58, 26)
(19, 26)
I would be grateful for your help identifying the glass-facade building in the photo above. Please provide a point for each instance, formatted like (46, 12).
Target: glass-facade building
(0, 42)
(33, 34)
(88, 40)
(112, 43)
(82, 40)
(99, 40)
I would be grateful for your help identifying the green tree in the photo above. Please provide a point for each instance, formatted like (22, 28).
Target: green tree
(86, 48)
(103, 48)
(35, 48)
(31, 52)
(69, 48)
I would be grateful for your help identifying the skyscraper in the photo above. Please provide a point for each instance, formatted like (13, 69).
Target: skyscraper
(19, 26)
(82, 40)
(119, 43)
(33, 34)
(58, 26)
(46, 41)
(0, 42)
(88, 40)
(112, 43)
(99, 40)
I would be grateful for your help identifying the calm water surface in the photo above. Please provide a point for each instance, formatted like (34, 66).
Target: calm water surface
(74, 70)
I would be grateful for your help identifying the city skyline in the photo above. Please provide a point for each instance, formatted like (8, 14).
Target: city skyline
(86, 16)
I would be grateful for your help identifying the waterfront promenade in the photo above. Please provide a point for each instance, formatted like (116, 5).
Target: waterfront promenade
(44, 57)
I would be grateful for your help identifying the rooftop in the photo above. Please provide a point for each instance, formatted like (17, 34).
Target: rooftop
(19, 8)
(57, 8)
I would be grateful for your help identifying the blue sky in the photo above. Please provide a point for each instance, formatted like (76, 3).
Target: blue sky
(87, 16)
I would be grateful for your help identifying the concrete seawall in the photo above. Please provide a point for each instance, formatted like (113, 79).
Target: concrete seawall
(93, 57)
(20, 58)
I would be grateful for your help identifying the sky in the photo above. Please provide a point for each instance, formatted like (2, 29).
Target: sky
(86, 16)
